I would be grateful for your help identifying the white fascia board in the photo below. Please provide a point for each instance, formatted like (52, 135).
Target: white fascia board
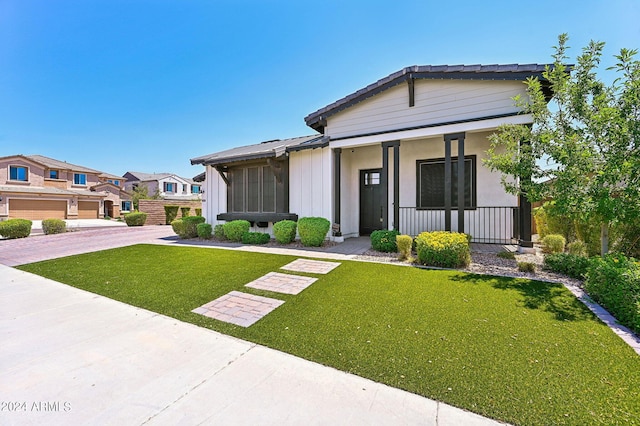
(468, 127)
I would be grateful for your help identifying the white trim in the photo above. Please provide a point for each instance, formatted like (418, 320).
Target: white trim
(468, 127)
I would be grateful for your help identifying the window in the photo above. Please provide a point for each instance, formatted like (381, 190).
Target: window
(19, 173)
(170, 187)
(53, 174)
(115, 182)
(125, 206)
(79, 179)
(195, 189)
(371, 178)
(253, 189)
(430, 185)
(184, 188)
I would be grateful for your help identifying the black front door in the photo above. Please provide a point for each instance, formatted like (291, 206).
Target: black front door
(371, 203)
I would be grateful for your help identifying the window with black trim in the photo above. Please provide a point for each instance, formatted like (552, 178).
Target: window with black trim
(170, 187)
(253, 189)
(430, 184)
(79, 179)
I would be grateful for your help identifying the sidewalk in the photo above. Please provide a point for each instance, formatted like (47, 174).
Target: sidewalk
(73, 357)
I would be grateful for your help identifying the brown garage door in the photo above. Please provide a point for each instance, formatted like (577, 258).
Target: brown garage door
(37, 209)
(88, 209)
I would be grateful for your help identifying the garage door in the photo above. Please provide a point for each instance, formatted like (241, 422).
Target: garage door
(37, 209)
(88, 209)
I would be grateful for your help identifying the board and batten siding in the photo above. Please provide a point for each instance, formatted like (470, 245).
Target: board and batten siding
(311, 183)
(436, 101)
(214, 199)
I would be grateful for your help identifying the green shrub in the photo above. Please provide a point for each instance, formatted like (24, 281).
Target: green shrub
(313, 230)
(553, 243)
(178, 227)
(614, 282)
(506, 255)
(285, 231)
(191, 226)
(15, 228)
(255, 238)
(204, 230)
(443, 249)
(170, 213)
(135, 218)
(571, 265)
(198, 211)
(404, 244)
(384, 240)
(235, 229)
(625, 238)
(578, 248)
(54, 226)
(185, 211)
(549, 220)
(526, 267)
(218, 232)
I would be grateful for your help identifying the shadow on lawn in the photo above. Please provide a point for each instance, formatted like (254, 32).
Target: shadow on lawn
(550, 297)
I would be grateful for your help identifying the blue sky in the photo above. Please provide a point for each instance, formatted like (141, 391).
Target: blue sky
(145, 85)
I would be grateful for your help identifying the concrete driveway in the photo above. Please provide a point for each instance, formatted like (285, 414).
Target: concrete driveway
(72, 357)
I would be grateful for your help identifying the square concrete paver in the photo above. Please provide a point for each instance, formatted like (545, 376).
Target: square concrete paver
(311, 266)
(282, 283)
(239, 308)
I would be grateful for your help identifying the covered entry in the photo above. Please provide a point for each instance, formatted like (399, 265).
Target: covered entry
(371, 201)
(37, 209)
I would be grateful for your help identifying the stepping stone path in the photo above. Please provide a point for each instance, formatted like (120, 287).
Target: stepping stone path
(282, 283)
(246, 309)
(239, 308)
(311, 266)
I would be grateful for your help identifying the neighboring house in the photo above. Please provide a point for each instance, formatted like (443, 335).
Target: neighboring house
(167, 185)
(38, 187)
(386, 157)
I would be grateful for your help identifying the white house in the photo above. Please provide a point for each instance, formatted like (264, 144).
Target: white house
(167, 185)
(386, 157)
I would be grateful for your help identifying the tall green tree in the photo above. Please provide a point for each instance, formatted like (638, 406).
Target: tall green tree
(583, 148)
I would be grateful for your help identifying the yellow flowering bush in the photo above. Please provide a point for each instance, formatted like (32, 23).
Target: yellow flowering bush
(443, 249)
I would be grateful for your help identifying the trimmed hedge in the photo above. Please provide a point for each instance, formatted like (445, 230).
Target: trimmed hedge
(15, 228)
(255, 238)
(443, 249)
(405, 244)
(285, 231)
(234, 230)
(178, 227)
(384, 240)
(313, 230)
(54, 226)
(571, 265)
(185, 211)
(614, 282)
(218, 232)
(526, 267)
(135, 219)
(170, 213)
(190, 226)
(204, 230)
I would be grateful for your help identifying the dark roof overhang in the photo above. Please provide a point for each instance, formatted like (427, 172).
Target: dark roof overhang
(516, 72)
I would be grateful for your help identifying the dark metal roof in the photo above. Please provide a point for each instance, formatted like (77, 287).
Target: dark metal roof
(316, 120)
(268, 149)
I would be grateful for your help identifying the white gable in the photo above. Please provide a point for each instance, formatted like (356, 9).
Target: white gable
(436, 102)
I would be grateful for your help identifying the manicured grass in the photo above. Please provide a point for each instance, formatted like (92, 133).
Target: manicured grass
(519, 351)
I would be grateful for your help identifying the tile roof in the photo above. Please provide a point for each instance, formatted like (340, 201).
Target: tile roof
(268, 149)
(63, 165)
(474, 72)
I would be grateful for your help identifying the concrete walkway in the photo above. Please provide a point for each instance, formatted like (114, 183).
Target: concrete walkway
(73, 357)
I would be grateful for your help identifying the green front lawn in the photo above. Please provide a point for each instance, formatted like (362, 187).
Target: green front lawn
(516, 350)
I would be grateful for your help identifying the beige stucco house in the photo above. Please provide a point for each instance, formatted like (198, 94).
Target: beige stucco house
(168, 186)
(387, 157)
(38, 187)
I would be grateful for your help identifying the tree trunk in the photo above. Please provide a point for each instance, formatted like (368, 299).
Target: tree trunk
(604, 238)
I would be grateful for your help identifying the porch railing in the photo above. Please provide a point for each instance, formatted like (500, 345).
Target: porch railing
(490, 225)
